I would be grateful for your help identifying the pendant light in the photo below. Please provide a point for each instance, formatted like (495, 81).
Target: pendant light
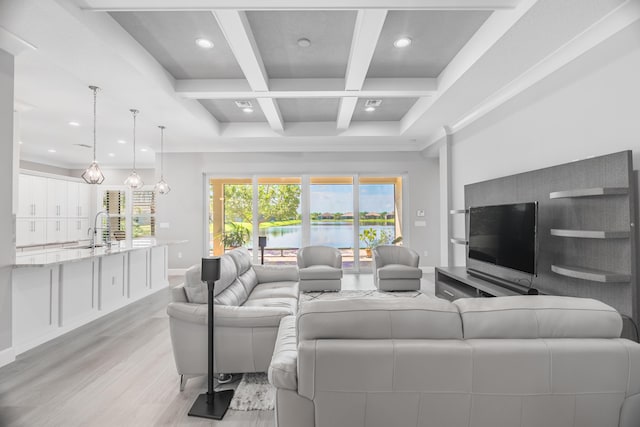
(134, 181)
(93, 174)
(162, 187)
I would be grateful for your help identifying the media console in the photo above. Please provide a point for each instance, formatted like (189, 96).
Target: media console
(456, 282)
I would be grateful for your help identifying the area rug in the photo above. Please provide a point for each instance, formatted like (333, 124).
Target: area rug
(254, 393)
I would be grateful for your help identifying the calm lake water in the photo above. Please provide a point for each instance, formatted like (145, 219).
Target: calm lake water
(324, 233)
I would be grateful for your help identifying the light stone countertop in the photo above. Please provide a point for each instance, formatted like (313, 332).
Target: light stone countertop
(60, 255)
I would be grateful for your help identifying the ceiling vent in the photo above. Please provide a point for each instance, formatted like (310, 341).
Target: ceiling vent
(243, 104)
(83, 145)
(373, 103)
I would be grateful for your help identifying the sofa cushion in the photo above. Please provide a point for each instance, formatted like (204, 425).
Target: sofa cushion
(275, 290)
(242, 258)
(399, 271)
(284, 364)
(421, 317)
(194, 288)
(538, 316)
(319, 272)
(235, 294)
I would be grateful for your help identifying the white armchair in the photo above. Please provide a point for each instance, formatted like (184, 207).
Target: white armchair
(320, 268)
(395, 268)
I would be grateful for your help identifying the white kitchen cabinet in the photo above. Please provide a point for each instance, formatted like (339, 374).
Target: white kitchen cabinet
(78, 200)
(32, 196)
(57, 230)
(77, 229)
(30, 231)
(56, 198)
(112, 292)
(138, 272)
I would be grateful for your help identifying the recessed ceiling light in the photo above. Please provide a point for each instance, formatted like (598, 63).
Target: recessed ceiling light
(122, 141)
(51, 150)
(144, 150)
(402, 42)
(204, 43)
(370, 109)
(112, 155)
(247, 110)
(304, 42)
(72, 123)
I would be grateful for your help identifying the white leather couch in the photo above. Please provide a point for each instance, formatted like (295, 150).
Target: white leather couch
(524, 361)
(249, 302)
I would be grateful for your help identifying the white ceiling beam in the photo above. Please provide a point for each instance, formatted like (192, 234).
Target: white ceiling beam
(345, 112)
(305, 88)
(12, 43)
(179, 5)
(236, 29)
(365, 39)
(272, 113)
(366, 32)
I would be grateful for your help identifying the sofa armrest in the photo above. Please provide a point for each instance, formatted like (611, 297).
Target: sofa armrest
(276, 273)
(227, 315)
(178, 294)
(189, 312)
(284, 363)
(249, 317)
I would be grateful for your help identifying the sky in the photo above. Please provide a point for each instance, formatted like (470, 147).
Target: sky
(339, 198)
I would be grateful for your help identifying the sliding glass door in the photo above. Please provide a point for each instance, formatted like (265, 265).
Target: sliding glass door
(279, 218)
(331, 215)
(380, 215)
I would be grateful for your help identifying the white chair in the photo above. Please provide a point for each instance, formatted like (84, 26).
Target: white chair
(395, 268)
(320, 268)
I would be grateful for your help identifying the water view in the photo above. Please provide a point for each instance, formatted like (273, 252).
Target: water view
(336, 234)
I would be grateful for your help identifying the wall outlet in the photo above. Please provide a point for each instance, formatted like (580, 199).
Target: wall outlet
(164, 225)
(179, 255)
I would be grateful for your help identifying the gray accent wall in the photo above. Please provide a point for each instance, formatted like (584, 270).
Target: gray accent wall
(183, 208)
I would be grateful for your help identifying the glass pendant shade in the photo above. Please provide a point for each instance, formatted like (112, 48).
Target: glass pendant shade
(134, 181)
(93, 174)
(162, 187)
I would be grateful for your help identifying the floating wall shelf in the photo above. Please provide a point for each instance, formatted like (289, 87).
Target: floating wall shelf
(590, 274)
(587, 192)
(590, 234)
(458, 211)
(458, 241)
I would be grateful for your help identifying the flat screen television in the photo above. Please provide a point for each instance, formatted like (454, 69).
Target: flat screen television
(504, 235)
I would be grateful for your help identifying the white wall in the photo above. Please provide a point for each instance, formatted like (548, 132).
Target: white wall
(590, 107)
(183, 208)
(7, 221)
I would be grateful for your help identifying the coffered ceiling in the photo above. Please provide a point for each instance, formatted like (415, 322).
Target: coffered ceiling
(307, 68)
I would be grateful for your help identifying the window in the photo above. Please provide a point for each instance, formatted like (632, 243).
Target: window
(348, 212)
(114, 203)
(143, 215)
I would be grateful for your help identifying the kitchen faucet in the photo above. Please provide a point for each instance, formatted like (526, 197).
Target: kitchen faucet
(95, 229)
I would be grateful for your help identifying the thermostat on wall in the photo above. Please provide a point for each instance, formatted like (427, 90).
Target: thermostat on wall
(420, 212)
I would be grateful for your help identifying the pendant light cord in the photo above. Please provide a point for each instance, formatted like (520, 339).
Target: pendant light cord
(161, 152)
(95, 90)
(135, 113)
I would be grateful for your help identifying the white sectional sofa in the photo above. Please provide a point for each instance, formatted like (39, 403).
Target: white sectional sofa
(249, 302)
(525, 361)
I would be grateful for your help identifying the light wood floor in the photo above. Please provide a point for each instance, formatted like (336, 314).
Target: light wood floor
(116, 371)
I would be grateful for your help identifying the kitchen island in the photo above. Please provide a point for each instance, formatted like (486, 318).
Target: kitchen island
(57, 290)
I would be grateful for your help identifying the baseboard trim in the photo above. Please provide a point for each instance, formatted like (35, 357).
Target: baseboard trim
(7, 356)
(176, 271)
